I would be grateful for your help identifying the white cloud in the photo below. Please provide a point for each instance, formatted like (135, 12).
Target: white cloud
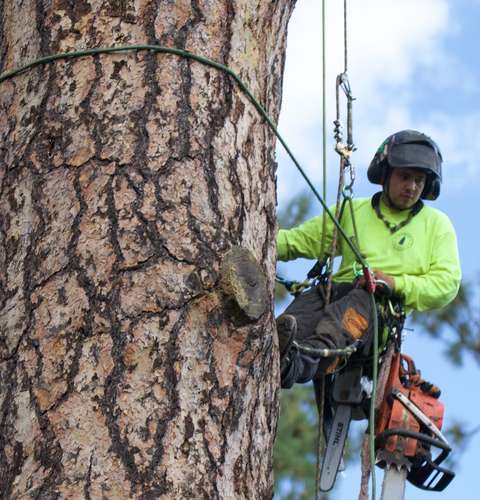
(390, 39)
(398, 53)
(459, 137)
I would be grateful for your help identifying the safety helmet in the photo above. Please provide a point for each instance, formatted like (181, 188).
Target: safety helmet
(408, 148)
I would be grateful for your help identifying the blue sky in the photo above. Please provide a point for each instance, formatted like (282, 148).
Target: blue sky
(412, 64)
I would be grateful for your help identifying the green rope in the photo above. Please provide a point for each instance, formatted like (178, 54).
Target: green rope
(324, 130)
(348, 199)
(371, 423)
(321, 395)
(208, 62)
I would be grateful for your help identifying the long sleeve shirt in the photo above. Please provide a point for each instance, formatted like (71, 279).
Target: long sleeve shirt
(422, 257)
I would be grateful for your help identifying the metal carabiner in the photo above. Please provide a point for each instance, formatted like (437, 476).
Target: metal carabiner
(344, 84)
(347, 192)
(351, 171)
(345, 150)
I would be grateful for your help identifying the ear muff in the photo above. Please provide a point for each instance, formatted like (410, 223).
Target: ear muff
(431, 191)
(377, 170)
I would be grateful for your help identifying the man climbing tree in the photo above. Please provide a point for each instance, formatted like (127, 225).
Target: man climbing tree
(412, 249)
(137, 197)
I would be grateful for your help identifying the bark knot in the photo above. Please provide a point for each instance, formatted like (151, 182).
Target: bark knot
(243, 282)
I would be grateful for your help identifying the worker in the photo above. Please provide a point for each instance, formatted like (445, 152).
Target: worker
(411, 248)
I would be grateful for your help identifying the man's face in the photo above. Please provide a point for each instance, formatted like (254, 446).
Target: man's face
(405, 187)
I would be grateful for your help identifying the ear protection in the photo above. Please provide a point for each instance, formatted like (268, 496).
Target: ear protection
(414, 156)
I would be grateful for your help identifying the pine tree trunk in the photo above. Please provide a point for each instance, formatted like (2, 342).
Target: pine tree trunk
(131, 365)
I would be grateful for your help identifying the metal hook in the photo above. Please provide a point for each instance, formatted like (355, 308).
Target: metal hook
(351, 171)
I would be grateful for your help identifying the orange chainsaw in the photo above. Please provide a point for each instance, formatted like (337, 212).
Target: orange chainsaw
(409, 427)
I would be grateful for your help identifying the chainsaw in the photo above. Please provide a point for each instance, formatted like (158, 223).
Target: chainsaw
(408, 425)
(408, 428)
(346, 400)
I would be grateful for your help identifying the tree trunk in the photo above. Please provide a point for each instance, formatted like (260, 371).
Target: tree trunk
(135, 188)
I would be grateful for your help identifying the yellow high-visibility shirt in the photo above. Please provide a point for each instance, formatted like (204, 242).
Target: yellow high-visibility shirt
(422, 256)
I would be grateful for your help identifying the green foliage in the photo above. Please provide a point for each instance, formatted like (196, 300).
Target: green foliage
(457, 325)
(294, 455)
(281, 293)
(296, 211)
(295, 451)
(459, 435)
(292, 215)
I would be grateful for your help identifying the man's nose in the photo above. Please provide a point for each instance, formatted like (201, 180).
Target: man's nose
(411, 184)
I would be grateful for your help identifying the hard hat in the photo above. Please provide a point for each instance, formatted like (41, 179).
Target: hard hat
(412, 149)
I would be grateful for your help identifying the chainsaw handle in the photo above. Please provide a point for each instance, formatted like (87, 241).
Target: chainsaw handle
(411, 368)
(382, 437)
(428, 475)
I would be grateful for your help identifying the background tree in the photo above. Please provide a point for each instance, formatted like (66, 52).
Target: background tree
(294, 213)
(125, 180)
(456, 326)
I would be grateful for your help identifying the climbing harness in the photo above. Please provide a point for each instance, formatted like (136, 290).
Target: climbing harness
(294, 287)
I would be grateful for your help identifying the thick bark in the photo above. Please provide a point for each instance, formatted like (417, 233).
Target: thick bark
(125, 180)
